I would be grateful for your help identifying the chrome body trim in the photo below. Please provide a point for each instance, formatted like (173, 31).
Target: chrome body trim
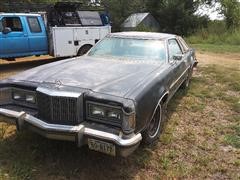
(159, 102)
(59, 93)
(112, 137)
(176, 81)
(79, 130)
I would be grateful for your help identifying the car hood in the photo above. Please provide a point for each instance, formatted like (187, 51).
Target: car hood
(113, 77)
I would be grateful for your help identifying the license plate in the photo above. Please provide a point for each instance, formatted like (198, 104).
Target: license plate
(101, 146)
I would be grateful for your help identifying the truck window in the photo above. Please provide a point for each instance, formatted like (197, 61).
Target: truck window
(34, 25)
(12, 22)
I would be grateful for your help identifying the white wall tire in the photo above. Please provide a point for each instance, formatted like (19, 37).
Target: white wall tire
(155, 127)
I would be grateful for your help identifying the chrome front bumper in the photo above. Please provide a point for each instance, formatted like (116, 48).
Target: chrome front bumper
(79, 133)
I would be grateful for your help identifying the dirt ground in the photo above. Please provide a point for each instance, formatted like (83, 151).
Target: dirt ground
(25, 59)
(200, 141)
(226, 59)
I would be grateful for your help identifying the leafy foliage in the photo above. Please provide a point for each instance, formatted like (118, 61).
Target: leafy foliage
(231, 10)
(174, 16)
(216, 33)
(119, 10)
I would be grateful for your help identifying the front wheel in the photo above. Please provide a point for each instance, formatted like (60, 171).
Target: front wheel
(155, 127)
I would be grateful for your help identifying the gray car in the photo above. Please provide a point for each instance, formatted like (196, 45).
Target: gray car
(111, 99)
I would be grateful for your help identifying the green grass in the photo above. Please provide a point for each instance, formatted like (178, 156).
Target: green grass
(233, 140)
(217, 48)
(219, 38)
(216, 33)
(216, 38)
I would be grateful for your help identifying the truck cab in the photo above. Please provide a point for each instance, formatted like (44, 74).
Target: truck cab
(22, 35)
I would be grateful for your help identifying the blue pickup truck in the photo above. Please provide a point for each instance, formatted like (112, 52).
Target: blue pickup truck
(22, 35)
(27, 34)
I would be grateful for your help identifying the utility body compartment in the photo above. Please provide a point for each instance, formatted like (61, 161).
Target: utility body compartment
(67, 41)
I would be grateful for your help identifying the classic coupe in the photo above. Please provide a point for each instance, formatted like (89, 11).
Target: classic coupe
(111, 99)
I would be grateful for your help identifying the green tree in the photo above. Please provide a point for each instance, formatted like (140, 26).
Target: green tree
(231, 11)
(176, 16)
(119, 10)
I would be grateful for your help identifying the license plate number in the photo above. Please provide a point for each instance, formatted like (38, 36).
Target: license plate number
(101, 146)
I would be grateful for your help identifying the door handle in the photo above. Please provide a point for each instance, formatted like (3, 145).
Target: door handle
(25, 35)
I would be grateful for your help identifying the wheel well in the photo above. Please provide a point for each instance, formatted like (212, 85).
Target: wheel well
(161, 101)
(82, 48)
(164, 99)
(195, 64)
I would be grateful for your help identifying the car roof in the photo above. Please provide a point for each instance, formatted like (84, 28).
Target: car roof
(143, 35)
(19, 14)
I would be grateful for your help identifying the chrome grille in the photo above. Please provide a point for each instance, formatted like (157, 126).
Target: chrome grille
(5, 96)
(58, 110)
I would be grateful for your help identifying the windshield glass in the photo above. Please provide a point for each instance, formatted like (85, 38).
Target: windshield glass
(137, 49)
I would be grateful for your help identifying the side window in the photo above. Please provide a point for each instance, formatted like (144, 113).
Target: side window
(34, 25)
(14, 23)
(174, 48)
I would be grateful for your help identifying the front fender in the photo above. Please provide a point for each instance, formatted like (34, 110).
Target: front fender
(146, 103)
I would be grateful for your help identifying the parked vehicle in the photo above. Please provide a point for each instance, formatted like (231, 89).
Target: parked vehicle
(111, 99)
(72, 33)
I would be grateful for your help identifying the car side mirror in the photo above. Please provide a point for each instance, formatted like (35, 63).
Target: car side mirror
(6, 30)
(178, 57)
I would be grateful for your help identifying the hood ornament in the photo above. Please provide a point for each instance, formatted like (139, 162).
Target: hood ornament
(58, 83)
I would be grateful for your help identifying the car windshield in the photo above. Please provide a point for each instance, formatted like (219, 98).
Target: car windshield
(137, 49)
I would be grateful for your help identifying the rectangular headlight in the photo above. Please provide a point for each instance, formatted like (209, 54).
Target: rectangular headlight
(23, 95)
(114, 114)
(104, 113)
(17, 96)
(30, 99)
(96, 111)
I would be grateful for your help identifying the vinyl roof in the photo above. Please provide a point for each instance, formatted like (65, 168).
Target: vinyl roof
(142, 35)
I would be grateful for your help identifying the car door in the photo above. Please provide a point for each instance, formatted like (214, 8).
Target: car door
(37, 34)
(179, 66)
(15, 42)
(189, 52)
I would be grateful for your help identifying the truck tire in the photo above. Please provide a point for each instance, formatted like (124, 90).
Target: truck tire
(84, 49)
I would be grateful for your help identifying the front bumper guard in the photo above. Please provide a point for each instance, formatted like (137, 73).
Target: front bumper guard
(77, 133)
